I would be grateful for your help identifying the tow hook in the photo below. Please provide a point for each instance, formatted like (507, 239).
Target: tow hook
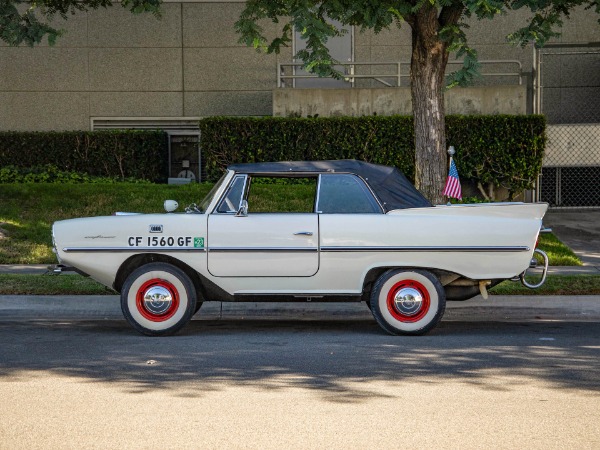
(533, 265)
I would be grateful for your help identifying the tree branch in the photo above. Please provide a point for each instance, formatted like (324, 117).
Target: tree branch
(450, 15)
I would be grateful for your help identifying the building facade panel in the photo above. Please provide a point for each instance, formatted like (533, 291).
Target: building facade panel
(135, 69)
(117, 27)
(239, 103)
(111, 63)
(494, 32)
(44, 111)
(43, 69)
(210, 24)
(582, 26)
(229, 69)
(136, 104)
(385, 38)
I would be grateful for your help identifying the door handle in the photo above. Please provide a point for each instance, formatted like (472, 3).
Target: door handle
(303, 233)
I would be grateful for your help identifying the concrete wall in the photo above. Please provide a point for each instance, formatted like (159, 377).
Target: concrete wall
(386, 101)
(111, 63)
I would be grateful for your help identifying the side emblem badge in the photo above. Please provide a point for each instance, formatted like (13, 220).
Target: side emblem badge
(156, 228)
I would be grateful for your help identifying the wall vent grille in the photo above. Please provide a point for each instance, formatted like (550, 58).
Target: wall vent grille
(146, 123)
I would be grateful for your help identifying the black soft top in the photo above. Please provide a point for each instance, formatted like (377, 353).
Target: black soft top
(389, 184)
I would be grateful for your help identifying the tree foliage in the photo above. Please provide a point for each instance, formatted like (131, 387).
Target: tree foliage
(28, 22)
(437, 29)
(310, 19)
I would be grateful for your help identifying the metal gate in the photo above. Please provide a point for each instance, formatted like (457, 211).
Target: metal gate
(567, 92)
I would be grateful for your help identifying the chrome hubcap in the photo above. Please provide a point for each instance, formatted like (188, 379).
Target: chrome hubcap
(408, 301)
(158, 300)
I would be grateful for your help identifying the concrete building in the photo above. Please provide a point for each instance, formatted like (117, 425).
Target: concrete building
(112, 64)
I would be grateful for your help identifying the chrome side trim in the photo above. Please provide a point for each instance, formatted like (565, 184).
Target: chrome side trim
(262, 249)
(318, 195)
(131, 249)
(294, 249)
(425, 249)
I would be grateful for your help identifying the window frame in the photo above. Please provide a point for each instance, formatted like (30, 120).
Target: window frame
(228, 189)
(287, 176)
(359, 179)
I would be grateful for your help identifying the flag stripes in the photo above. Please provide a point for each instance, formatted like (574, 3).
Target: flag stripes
(453, 188)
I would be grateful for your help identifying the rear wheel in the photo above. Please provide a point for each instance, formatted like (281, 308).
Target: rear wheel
(408, 302)
(158, 299)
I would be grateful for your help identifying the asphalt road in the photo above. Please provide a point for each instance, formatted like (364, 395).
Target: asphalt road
(515, 373)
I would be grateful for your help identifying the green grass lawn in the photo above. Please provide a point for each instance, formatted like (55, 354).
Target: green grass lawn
(27, 211)
(555, 285)
(67, 284)
(558, 253)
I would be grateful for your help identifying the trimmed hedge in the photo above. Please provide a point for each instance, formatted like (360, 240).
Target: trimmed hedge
(113, 154)
(505, 151)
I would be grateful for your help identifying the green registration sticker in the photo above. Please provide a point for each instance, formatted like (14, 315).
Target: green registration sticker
(198, 242)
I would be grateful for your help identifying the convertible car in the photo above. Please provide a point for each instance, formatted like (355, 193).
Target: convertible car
(345, 231)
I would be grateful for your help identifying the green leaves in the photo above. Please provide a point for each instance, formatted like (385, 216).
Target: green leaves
(17, 28)
(540, 29)
(122, 154)
(485, 9)
(469, 70)
(502, 151)
(311, 19)
(31, 26)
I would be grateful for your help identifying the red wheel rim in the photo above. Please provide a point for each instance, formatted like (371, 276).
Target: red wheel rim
(157, 300)
(408, 301)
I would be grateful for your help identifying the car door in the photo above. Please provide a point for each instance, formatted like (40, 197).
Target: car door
(260, 244)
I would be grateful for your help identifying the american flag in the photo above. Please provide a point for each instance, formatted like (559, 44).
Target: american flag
(452, 188)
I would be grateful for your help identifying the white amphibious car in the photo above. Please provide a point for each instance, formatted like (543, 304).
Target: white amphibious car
(361, 232)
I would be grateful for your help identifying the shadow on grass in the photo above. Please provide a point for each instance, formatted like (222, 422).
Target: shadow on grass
(335, 358)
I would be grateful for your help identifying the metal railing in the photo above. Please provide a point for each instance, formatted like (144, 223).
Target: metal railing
(394, 76)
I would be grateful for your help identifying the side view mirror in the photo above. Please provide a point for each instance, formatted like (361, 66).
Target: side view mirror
(171, 205)
(243, 211)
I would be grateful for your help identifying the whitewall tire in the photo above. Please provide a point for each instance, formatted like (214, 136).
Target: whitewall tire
(158, 299)
(408, 302)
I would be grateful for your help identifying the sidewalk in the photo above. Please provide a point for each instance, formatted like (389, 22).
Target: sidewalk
(580, 230)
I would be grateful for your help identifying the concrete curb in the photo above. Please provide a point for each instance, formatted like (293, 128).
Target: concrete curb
(107, 307)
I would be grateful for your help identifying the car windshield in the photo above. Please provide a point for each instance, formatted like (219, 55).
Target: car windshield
(204, 204)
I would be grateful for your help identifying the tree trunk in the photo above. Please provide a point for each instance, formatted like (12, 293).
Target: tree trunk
(427, 69)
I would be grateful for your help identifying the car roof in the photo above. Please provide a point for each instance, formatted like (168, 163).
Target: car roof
(387, 182)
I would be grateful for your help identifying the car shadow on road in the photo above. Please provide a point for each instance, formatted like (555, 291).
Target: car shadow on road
(334, 357)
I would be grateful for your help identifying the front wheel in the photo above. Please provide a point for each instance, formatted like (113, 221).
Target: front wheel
(408, 302)
(158, 299)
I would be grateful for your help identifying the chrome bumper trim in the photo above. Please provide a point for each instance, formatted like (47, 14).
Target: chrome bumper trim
(544, 272)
